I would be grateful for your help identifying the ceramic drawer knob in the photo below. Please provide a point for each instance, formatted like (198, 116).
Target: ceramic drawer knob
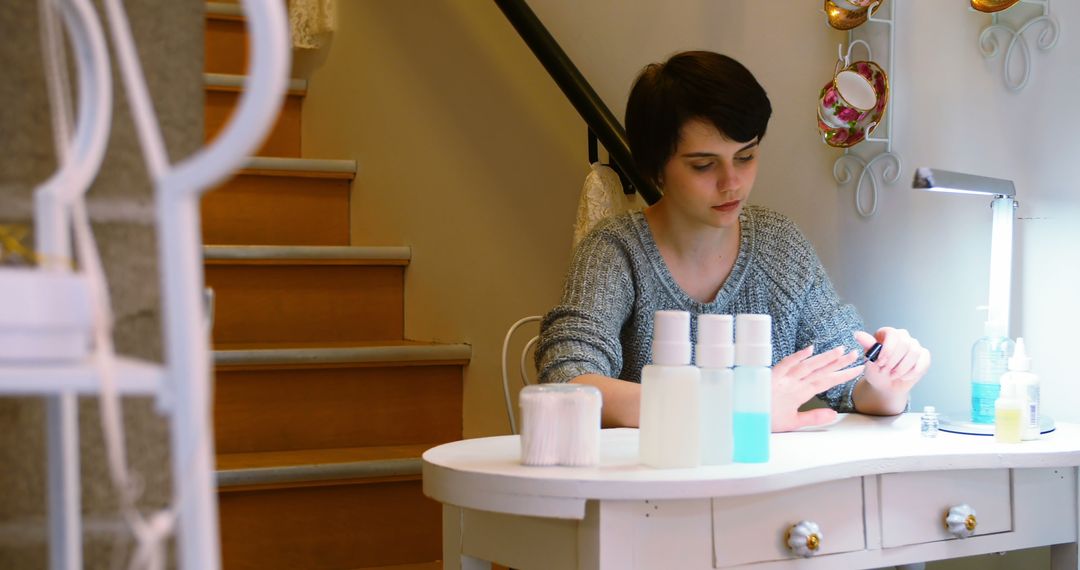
(961, 521)
(804, 539)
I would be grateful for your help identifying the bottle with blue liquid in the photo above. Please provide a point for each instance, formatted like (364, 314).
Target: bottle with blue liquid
(989, 361)
(753, 388)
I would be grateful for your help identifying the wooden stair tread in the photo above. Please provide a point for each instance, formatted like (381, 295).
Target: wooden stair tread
(339, 353)
(306, 255)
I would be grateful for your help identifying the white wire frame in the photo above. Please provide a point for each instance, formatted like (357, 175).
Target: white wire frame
(522, 366)
(851, 166)
(990, 47)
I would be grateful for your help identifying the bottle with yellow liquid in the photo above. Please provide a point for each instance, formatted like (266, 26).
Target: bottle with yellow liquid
(1008, 412)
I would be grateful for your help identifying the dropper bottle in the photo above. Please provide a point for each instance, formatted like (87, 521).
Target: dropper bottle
(1027, 390)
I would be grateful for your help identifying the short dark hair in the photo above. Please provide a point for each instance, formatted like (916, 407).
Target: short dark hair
(691, 85)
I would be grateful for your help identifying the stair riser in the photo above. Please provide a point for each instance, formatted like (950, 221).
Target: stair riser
(340, 303)
(225, 43)
(344, 526)
(283, 141)
(321, 408)
(254, 209)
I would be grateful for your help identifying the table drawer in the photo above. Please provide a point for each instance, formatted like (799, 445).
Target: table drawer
(914, 505)
(753, 528)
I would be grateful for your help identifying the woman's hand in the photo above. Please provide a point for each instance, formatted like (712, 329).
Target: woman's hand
(800, 376)
(901, 363)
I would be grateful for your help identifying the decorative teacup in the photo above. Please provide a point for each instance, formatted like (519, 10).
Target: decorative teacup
(853, 132)
(848, 14)
(991, 6)
(846, 99)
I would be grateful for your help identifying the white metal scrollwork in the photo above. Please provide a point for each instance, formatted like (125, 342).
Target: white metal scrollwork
(1047, 38)
(847, 165)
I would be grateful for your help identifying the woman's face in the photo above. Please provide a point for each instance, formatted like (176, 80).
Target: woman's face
(708, 178)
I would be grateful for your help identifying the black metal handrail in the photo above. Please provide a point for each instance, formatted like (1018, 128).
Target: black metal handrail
(581, 95)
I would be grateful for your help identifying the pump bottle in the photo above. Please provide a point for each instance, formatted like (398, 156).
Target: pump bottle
(715, 355)
(1027, 390)
(753, 388)
(989, 360)
(669, 417)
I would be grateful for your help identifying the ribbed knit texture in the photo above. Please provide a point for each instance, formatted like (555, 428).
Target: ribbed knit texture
(618, 279)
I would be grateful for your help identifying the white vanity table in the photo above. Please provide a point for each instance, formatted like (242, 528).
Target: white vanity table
(878, 491)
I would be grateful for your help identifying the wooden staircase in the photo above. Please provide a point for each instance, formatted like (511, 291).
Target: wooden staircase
(322, 408)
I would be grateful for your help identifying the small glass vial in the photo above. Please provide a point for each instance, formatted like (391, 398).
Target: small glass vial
(929, 422)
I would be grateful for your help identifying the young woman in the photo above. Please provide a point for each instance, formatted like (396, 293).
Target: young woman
(694, 125)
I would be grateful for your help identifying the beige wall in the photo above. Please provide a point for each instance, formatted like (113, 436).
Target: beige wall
(470, 154)
(169, 35)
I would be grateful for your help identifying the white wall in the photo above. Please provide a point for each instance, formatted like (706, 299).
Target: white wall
(922, 261)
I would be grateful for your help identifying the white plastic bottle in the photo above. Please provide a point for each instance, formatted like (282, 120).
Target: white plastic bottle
(753, 388)
(715, 355)
(1027, 390)
(669, 420)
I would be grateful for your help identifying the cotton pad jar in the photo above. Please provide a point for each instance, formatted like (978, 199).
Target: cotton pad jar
(560, 425)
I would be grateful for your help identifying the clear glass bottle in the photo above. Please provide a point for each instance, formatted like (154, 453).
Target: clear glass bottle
(989, 360)
(929, 422)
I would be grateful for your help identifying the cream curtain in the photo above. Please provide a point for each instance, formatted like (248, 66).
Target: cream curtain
(311, 22)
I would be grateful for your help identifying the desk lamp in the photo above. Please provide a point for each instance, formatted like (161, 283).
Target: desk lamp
(1001, 231)
(1003, 206)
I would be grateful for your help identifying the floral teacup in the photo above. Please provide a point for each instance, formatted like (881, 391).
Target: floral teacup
(846, 99)
(855, 131)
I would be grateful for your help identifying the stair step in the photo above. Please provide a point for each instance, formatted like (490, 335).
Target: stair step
(308, 355)
(222, 93)
(294, 398)
(301, 468)
(281, 201)
(341, 508)
(225, 38)
(306, 293)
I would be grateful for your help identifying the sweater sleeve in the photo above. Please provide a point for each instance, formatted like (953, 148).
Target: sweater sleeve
(826, 322)
(581, 335)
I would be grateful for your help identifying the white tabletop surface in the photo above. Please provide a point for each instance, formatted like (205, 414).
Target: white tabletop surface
(487, 470)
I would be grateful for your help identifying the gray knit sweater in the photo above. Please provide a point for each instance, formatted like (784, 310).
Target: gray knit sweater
(618, 279)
